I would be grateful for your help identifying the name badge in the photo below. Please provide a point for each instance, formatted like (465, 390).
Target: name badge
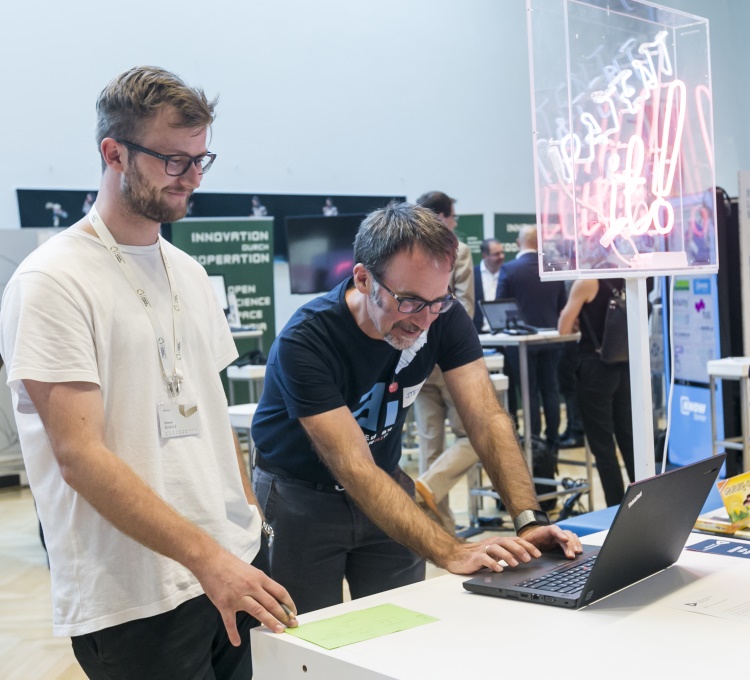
(178, 419)
(410, 394)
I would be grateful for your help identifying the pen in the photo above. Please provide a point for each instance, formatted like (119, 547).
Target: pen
(287, 611)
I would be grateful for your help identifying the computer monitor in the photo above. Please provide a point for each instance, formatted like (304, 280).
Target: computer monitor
(220, 290)
(321, 250)
(502, 314)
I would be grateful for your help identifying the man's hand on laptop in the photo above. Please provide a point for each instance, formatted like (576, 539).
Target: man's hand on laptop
(551, 537)
(470, 557)
(496, 553)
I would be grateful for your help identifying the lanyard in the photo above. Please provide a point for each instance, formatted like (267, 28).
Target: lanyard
(173, 377)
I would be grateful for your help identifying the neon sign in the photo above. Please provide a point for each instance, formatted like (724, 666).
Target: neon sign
(618, 200)
(624, 157)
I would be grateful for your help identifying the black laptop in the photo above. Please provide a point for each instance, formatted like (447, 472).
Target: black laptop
(647, 535)
(504, 316)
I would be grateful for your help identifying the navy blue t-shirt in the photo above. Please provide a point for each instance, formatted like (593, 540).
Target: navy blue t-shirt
(322, 360)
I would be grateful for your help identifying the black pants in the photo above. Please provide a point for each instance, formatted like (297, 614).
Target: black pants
(189, 643)
(604, 402)
(566, 374)
(322, 537)
(543, 390)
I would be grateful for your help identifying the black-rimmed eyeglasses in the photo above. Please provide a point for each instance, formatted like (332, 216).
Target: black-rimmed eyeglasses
(407, 305)
(176, 164)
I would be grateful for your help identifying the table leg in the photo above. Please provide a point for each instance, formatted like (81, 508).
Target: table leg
(745, 422)
(523, 360)
(712, 399)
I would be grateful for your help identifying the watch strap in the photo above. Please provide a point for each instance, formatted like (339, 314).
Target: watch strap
(530, 518)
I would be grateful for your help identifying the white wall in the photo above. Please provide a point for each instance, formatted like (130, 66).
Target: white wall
(332, 96)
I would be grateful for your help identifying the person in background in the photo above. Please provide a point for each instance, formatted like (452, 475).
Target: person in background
(329, 209)
(540, 303)
(603, 389)
(258, 209)
(486, 274)
(340, 378)
(114, 342)
(572, 436)
(434, 403)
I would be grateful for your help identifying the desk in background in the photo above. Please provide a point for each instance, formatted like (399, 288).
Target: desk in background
(248, 334)
(522, 342)
(631, 634)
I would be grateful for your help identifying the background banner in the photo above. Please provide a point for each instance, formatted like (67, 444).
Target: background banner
(241, 250)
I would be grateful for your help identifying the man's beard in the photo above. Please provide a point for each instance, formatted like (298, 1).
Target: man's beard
(402, 343)
(145, 201)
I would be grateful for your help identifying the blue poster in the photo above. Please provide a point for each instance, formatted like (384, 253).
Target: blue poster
(695, 310)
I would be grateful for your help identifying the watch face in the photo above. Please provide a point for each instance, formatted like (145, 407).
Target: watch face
(530, 518)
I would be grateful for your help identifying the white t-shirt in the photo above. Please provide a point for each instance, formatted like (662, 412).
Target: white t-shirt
(69, 314)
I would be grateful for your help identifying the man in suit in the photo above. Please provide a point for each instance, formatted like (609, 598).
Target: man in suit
(486, 274)
(540, 303)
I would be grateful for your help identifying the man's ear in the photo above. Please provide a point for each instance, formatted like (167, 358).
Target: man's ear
(361, 278)
(113, 154)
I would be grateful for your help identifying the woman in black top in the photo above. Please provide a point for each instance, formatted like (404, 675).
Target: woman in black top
(603, 390)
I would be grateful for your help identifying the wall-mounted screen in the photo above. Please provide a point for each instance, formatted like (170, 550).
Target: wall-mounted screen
(220, 290)
(321, 250)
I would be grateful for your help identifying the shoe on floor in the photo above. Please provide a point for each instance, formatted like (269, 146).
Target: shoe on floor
(426, 496)
(571, 443)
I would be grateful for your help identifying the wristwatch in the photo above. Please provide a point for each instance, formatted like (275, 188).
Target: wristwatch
(530, 518)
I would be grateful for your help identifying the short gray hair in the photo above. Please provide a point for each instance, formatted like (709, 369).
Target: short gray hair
(402, 226)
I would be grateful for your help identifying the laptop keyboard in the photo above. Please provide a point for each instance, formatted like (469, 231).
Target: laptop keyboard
(566, 580)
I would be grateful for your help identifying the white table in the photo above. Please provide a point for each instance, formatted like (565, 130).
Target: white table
(248, 334)
(631, 634)
(252, 374)
(731, 368)
(241, 416)
(522, 342)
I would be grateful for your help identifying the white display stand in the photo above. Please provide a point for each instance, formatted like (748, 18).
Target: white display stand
(624, 162)
(744, 215)
(732, 368)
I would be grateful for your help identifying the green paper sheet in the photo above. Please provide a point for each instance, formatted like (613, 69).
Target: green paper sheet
(364, 624)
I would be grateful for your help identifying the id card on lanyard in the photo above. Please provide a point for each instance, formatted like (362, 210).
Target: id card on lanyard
(178, 417)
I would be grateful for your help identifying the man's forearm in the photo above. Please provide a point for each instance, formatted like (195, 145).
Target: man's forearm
(388, 506)
(492, 434)
(246, 486)
(374, 490)
(505, 465)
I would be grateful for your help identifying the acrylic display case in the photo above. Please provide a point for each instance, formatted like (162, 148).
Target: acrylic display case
(623, 139)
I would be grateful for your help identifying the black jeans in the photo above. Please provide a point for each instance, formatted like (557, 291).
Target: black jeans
(604, 402)
(189, 643)
(321, 536)
(543, 368)
(566, 374)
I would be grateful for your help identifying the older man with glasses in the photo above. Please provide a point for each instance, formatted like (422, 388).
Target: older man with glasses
(339, 380)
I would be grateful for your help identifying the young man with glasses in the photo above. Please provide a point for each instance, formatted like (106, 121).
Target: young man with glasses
(339, 380)
(114, 342)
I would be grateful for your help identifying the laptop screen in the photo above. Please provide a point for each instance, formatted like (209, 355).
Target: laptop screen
(220, 290)
(502, 313)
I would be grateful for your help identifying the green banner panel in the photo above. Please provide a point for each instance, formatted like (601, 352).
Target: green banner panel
(507, 226)
(241, 250)
(470, 230)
